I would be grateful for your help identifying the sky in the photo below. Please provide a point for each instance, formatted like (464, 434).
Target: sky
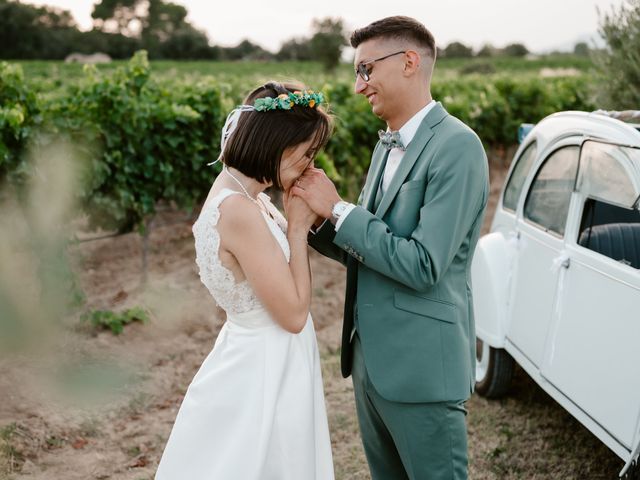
(541, 25)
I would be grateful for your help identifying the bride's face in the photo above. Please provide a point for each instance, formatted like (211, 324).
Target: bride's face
(294, 161)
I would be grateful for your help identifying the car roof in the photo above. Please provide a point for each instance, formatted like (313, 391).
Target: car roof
(594, 125)
(588, 124)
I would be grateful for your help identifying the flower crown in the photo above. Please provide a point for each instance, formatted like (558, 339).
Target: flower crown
(286, 101)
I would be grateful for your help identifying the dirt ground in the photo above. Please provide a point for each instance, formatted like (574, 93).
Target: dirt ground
(100, 406)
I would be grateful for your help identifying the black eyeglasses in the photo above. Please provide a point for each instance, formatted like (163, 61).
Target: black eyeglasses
(364, 69)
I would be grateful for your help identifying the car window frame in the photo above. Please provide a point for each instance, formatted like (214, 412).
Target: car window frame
(517, 160)
(636, 203)
(548, 153)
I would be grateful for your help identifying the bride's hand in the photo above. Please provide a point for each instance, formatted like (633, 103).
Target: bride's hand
(285, 199)
(299, 214)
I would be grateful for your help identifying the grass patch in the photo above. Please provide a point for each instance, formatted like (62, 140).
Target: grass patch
(11, 459)
(109, 320)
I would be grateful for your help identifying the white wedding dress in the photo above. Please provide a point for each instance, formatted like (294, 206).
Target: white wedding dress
(255, 409)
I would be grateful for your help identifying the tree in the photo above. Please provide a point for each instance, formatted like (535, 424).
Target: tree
(51, 33)
(246, 50)
(155, 23)
(457, 50)
(162, 21)
(119, 16)
(188, 43)
(35, 32)
(327, 42)
(619, 62)
(581, 48)
(296, 49)
(113, 44)
(515, 50)
(487, 50)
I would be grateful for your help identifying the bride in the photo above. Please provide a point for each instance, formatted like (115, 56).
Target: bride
(255, 409)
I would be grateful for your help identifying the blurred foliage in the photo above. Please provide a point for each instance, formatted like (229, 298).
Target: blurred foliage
(295, 49)
(121, 27)
(38, 287)
(460, 50)
(149, 141)
(28, 31)
(19, 115)
(515, 50)
(478, 67)
(619, 62)
(582, 49)
(457, 50)
(42, 32)
(327, 42)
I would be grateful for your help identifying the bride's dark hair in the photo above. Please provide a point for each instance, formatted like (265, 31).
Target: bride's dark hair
(256, 146)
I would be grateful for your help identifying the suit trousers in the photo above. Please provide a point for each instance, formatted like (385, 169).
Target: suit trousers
(412, 441)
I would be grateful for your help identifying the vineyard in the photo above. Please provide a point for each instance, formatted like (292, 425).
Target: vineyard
(144, 133)
(92, 156)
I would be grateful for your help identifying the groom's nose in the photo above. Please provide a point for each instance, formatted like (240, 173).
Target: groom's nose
(360, 84)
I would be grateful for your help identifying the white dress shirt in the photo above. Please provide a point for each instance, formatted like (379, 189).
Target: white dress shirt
(407, 132)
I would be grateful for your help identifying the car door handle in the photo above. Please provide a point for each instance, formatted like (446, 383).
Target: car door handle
(561, 261)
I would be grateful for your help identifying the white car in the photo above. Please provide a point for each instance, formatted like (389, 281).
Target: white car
(556, 283)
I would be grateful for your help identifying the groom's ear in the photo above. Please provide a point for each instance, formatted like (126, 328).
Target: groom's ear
(411, 62)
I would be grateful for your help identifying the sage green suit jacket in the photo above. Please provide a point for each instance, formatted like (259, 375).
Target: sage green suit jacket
(408, 264)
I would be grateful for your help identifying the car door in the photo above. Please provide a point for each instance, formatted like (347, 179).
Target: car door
(540, 228)
(593, 353)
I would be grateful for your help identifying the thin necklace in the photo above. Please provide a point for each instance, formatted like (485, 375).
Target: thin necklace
(262, 207)
(224, 168)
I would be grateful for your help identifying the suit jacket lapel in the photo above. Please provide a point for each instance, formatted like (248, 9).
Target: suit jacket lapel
(414, 149)
(373, 178)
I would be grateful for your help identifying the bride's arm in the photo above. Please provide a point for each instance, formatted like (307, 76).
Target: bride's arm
(283, 288)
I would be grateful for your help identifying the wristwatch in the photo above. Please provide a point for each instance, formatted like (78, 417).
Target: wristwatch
(338, 209)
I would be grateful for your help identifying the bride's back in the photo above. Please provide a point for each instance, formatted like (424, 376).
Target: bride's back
(219, 271)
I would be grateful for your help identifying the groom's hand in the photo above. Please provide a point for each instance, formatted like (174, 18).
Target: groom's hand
(317, 190)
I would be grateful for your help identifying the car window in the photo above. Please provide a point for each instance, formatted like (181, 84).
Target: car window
(548, 199)
(612, 231)
(518, 176)
(606, 173)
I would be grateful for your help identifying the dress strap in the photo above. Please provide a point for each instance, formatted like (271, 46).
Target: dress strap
(221, 196)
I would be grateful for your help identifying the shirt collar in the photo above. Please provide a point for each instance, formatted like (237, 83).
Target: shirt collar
(409, 129)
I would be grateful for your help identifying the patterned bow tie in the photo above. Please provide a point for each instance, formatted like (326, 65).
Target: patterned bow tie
(391, 140)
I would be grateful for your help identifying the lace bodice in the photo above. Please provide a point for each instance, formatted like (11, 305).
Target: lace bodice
(233, 297)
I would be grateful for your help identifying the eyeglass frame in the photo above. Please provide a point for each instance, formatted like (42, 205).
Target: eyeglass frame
(361, 67)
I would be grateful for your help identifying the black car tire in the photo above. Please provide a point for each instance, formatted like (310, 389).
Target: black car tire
(494, 379)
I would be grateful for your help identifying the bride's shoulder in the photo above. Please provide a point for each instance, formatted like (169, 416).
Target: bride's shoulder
(240, 214)
(237, 205)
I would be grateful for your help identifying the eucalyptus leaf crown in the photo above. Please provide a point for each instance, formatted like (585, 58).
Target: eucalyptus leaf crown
(286, 101)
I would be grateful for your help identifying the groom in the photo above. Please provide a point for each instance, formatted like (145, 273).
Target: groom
(408, 337)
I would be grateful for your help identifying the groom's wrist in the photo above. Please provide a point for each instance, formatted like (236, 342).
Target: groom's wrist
(339, 212)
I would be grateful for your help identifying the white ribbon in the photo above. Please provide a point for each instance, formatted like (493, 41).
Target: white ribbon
(513, 246)
(559, 265)
(229, 126)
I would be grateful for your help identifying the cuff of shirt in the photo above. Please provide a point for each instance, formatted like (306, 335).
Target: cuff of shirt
(349, 208)
(315, 229)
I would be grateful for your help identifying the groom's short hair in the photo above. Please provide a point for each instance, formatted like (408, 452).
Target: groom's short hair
(397, 28)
